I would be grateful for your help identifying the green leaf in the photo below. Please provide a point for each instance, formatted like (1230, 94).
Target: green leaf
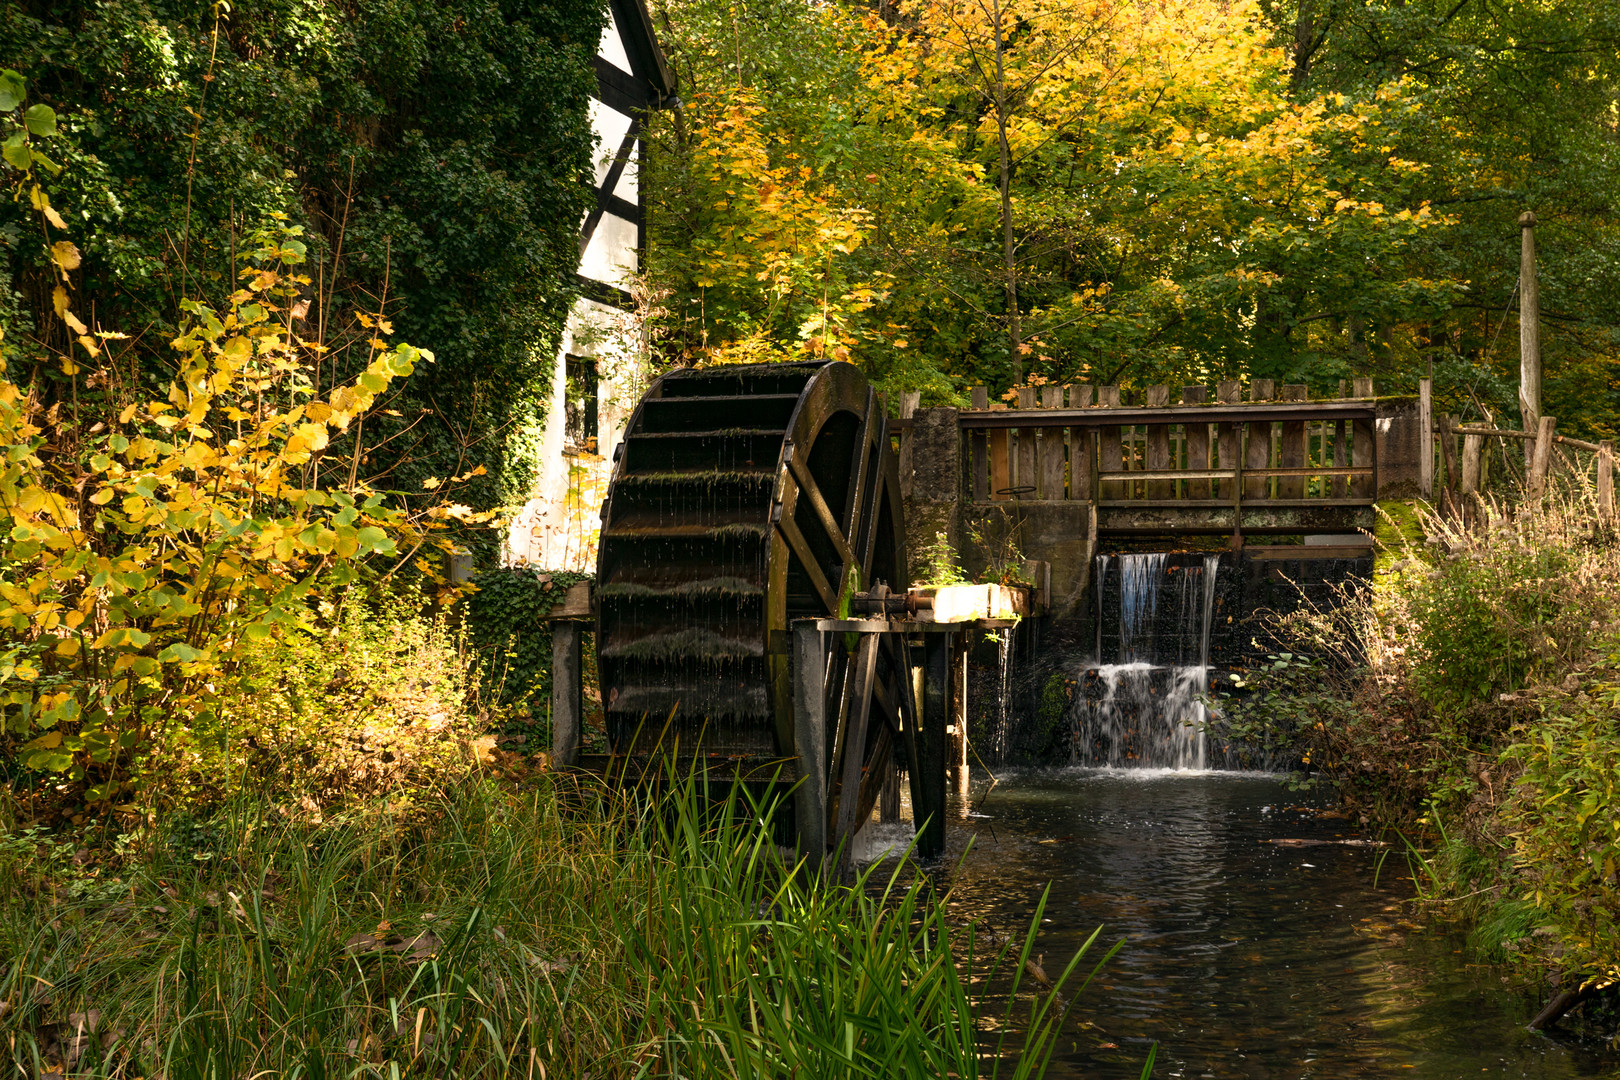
(180, 651)
(11, 90)
(15, 151)
(40, 120)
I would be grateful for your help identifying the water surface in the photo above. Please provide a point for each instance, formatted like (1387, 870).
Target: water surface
(1242, 957)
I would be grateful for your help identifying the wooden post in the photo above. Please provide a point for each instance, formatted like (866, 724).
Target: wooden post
(1158, 445)
(1448, 452)
(1471, 446)
(1052, 450)
(854, 741)
(979, 451)
(928, 771)
(1025, 474)
(1197, 440)
(1081, 447)
(1605, 480)
(1259, 443)
(1293, 445)
(1541, 455)
(810, 740)
(1426, 438)
(1341, 459)
(1529, 332)
(959, 709)
(566, 697)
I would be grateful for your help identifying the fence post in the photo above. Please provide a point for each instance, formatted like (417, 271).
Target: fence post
(1426, 438)
(1472, 444)
(1529, 327)
(1605, 480)
(1541, 454)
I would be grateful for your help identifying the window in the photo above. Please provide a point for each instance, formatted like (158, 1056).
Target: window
(579, 405)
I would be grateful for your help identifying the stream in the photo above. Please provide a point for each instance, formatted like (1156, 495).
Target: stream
(1241, 957)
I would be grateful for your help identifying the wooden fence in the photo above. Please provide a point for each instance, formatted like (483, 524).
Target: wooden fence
(1079, 442)
(1461, 452)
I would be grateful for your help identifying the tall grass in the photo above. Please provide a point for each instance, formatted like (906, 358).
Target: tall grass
(553, 931)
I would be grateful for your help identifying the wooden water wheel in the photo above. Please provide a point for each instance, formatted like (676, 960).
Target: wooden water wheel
(745, 498)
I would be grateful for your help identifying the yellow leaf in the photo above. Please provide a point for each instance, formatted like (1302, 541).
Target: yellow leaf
(42, 203)
(65, 253)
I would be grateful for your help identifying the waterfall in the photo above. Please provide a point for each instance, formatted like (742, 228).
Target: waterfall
(1145, 708)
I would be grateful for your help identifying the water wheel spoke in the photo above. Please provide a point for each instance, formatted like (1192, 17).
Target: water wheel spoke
(807, 560)
(808, 488)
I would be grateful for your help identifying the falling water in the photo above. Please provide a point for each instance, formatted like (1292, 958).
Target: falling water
(1146, 709)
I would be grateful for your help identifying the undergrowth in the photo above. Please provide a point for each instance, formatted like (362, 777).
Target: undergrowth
(1468, 702)
(498, 931)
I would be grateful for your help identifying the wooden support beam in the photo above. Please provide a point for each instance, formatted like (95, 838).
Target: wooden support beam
(854, 743)
(567, 712)
(810, 740)
(928, 771)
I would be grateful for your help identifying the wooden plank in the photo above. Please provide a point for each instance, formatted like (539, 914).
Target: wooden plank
(1341, 458)
(1000, 463)
(1052, 450)
(1157, 448)
(1293, 445)
(979, 450)
(1110, 448)
(998, 415)
(1024, 478)
(1082, 446)
(1197, 441)
(1363, 454)
(1229, 436)
(1258, 444)
(1364, 388)
(1308, 551)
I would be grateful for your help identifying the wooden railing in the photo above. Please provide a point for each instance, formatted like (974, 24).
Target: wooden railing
(1080, 442)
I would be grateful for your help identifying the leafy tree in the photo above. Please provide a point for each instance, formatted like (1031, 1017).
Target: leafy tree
(435, 154)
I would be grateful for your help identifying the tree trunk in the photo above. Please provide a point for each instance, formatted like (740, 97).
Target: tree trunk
(1015, 330)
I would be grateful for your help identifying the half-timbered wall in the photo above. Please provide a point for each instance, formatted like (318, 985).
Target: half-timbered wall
(558, 526)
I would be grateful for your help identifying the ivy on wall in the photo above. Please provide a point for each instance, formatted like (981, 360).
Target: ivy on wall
(506, 619)
(437, 154)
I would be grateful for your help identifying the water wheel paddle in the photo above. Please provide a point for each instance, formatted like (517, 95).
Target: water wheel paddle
(744, 498)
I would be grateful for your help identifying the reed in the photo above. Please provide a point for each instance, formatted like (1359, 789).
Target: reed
(556, 930)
